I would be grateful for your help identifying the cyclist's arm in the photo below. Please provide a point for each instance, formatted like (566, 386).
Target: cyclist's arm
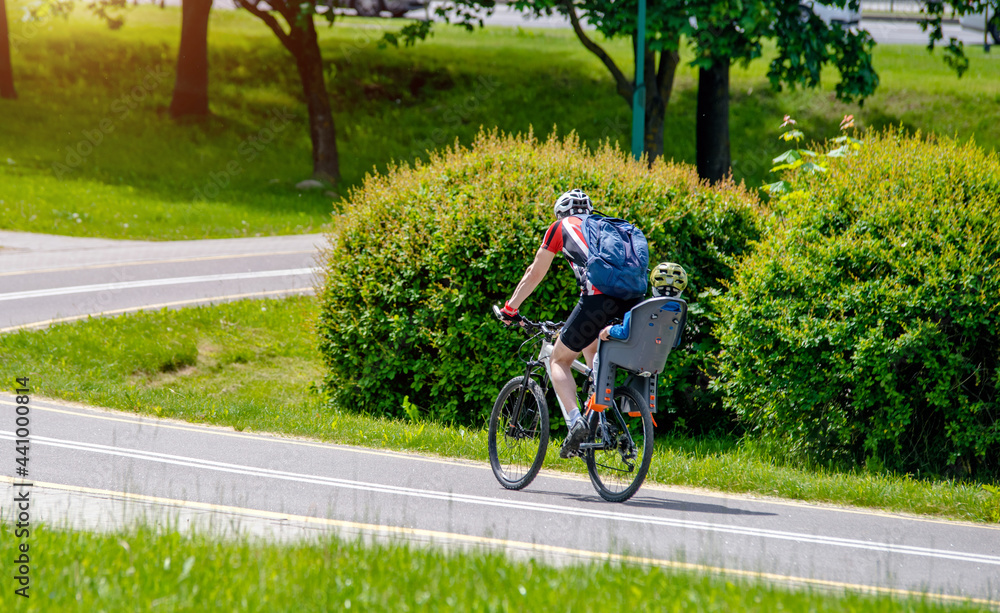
(532, 277)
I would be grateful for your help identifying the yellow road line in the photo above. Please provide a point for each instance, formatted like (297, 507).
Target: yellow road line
(150, 307)
(206, 258)
(506, 544)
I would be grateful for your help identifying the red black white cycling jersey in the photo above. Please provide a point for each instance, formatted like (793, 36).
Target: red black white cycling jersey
(566, 235)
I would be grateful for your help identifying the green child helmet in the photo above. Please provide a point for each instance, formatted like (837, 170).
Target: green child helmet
(668, 279)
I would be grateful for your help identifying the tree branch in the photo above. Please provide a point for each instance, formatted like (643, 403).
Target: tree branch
(266, 17)
(288, 11)
(625, 87)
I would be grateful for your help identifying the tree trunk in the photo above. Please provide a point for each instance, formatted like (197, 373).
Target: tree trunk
(713, 121)
(6, 71)
(661, 84)
(301, 42)
(191, 88)
(326, 164)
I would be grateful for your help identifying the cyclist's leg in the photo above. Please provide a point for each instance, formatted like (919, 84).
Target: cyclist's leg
(562, 374)
(561, 367)
(581, 329)
(590, 353)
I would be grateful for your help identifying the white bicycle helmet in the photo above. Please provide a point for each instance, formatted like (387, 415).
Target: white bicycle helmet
(668, 279)
(573, 202)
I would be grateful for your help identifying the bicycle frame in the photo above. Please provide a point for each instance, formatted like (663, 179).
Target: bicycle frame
(639, 384)
(547, 332)
(543, 359)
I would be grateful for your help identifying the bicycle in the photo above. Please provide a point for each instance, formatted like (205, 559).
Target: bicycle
(619, 449)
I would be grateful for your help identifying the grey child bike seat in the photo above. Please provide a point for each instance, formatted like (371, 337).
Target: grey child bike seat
(654, 330)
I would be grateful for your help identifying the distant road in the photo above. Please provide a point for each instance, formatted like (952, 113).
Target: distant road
(47, 279)
(884, 32)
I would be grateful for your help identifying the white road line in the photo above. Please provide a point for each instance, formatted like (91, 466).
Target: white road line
(100, 287)
(120, 264)
(156, 307)
(510, 504)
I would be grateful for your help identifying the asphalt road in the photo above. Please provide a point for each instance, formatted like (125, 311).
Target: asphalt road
(119, 458)
(46, 279)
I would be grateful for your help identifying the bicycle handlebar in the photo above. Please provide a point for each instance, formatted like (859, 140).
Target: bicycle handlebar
(549, 328)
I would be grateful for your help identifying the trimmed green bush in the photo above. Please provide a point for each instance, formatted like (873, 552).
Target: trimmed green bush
(423, 252)
(865, 328)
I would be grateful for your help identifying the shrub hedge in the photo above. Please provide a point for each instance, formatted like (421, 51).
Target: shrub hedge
(423, 252)
(865, 328)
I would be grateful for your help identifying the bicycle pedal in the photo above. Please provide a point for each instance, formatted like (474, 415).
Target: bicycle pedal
(566, 454)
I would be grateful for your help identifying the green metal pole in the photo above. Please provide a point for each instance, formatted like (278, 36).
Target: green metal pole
(639, 95)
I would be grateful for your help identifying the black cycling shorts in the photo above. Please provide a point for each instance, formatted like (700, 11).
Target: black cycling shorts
(589, 316)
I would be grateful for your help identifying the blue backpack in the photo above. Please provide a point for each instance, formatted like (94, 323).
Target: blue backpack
(619, 256)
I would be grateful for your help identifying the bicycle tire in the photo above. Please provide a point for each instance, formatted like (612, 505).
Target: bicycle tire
(516, 457)
(614, 477)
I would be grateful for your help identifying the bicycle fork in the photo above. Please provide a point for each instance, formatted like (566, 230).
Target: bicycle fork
(515, 415)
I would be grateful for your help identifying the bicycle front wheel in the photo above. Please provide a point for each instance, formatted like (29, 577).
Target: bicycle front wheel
(519, 433)
(622, 447)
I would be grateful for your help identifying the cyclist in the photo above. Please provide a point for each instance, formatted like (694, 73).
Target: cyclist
(592, 312)
(668, 280)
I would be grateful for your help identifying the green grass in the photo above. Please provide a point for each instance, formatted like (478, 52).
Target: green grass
(150, 177)
(146, 569)
(254, 366)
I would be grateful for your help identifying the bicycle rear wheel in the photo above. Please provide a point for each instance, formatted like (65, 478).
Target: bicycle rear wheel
(517, 446)
(622, 446)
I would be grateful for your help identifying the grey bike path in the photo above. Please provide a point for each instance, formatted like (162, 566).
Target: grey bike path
(89, 448)
(46, 278)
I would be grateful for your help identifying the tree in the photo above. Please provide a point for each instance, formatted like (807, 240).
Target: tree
(300, 40)
(190, 95)
(933, 14)
(665, 21)
(723, 32)
(6, 70)
(719, 32)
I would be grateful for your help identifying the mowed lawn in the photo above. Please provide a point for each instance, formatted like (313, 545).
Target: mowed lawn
(88, 149)
(151, 569)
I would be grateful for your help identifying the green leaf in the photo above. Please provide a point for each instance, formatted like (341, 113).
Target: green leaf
(787, 157)
(792, 166)
(792, 135)
(777, 188)
(812, 167)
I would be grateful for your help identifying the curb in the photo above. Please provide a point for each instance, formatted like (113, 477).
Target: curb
(905, 18)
